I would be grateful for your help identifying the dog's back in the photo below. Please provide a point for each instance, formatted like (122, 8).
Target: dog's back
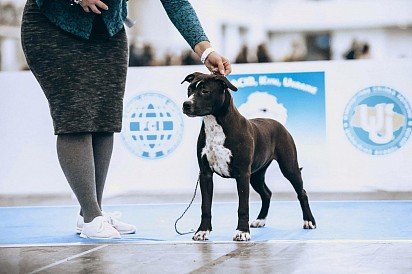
(268, 128)
(269, 133)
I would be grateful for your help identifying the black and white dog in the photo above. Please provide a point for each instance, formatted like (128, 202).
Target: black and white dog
(235, 147)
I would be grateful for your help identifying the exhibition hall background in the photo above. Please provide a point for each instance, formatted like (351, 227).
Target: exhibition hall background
(156, 151)
(336, 73)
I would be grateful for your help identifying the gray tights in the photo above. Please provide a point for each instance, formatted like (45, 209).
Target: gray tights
(84, 159)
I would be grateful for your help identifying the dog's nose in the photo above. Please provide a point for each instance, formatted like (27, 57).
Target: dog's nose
(187, 105)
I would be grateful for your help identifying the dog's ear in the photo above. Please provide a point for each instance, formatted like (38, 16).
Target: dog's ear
(191, 77)
(226, 82)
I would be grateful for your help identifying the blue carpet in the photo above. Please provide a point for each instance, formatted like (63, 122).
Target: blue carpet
(345, 220)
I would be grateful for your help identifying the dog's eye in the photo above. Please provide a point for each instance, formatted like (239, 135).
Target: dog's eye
(205, 91)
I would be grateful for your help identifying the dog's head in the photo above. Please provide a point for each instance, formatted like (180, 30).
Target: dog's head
(206, 92)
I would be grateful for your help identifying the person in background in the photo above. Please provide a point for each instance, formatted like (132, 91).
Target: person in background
(298, 52)
(78, 52)
(364, 52)
(351, 53)
(242, 56)
(141, 56)
(262, 54)
(189, 58)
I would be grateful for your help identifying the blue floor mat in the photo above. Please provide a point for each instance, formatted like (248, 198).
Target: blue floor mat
(343, 220)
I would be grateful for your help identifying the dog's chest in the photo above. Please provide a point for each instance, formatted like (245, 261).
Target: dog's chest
(216, 153)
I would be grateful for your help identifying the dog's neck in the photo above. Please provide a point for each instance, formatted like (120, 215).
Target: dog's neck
(225, 107)
(227, 113)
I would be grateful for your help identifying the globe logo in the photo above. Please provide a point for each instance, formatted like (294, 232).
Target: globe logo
(378, 120)
(152, 126)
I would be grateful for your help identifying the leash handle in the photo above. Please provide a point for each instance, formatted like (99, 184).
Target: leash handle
(187, 208)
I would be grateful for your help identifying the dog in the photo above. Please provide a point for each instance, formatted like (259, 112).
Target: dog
(234, 147)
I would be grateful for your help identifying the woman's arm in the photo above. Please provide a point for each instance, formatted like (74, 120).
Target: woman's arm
(184, 18)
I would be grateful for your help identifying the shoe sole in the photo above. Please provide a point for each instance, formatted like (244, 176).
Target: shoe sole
(99, 238)
(127, 232)
(79, 231)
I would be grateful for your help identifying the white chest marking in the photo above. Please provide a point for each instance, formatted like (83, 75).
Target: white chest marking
(217, 155)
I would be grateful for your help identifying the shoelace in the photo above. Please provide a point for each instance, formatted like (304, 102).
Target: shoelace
(102, 226)
(110, 220)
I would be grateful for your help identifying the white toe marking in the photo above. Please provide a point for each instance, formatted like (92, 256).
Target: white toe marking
(258, 223)
(201, 235)
(241, 236)
(311, 225)
(308, 224)
(217, 155)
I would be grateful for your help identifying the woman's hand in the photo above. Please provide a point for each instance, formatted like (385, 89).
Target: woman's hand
(218, 64)
(93, 5)
(215, 63)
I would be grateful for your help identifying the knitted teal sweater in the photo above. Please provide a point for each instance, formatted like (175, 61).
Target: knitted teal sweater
(72, 18)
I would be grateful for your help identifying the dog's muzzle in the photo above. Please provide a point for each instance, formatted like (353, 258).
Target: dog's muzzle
(188, 108)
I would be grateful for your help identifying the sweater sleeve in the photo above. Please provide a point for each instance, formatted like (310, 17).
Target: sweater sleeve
(184, 18)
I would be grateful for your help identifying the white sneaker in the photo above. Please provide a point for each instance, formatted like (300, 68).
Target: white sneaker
(122, 227)
(113, 217)
(80, 220)
(99, 228)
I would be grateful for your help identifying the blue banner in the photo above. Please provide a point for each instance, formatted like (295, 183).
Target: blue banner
(297, 100)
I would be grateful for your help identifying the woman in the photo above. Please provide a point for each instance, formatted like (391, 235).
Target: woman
(77, 50)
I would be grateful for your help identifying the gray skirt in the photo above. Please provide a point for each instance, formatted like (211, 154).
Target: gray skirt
(83, 80)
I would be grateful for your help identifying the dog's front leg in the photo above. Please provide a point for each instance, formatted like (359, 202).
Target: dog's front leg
(206, 188)
(242, 232)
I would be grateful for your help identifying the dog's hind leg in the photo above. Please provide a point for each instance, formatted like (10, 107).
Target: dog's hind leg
(257, 180)
(287, 160)
(294, 176)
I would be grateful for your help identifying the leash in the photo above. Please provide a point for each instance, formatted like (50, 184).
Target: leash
(184, 212)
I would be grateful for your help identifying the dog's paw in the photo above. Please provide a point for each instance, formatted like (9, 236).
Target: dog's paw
(309, 225)
(241, 236)
(258, 223)
(201, 235)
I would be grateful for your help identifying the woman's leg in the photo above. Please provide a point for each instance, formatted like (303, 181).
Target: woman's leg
(102, 152)
(85, 160)
(75, 153)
